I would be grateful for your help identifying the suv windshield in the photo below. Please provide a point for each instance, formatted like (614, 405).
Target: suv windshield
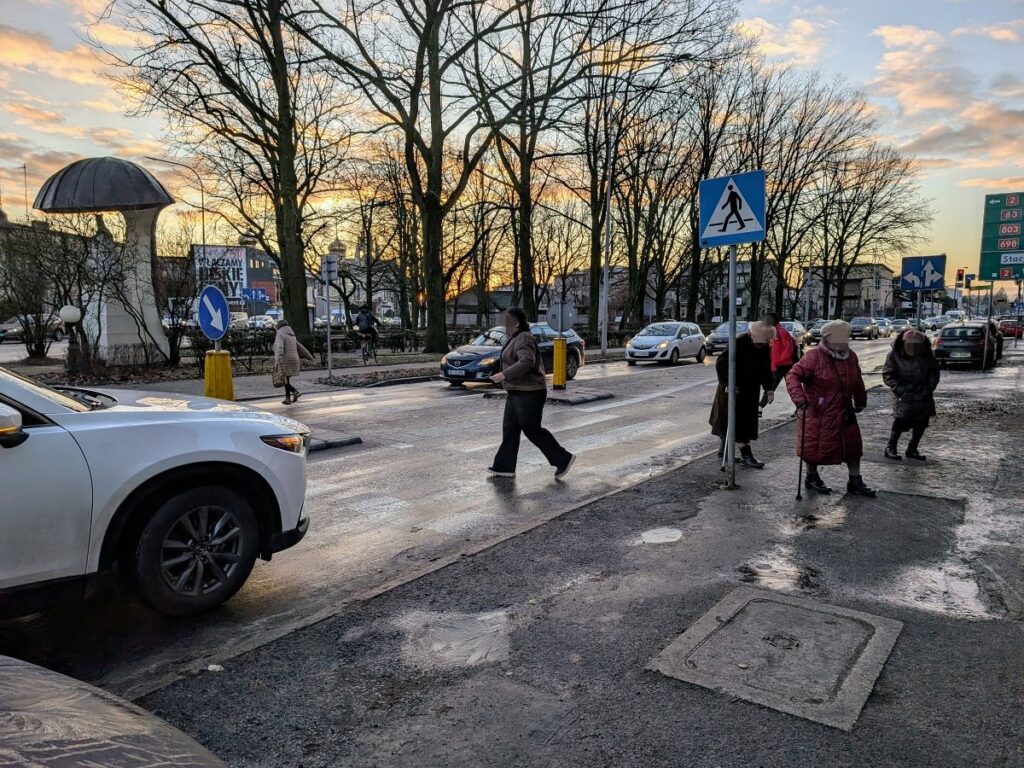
(43, 391)
(492, 338)
(660, 329)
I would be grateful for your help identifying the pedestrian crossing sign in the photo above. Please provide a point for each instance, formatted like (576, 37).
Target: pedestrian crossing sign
(732, 209)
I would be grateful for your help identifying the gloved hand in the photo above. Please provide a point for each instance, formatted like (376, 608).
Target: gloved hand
(858, 408)
(802, 406)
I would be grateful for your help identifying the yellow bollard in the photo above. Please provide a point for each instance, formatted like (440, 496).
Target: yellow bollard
(218, 382)
(559, 375)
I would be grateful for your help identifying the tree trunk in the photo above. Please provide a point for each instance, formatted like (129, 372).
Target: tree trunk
(595, 263)
(437, 334)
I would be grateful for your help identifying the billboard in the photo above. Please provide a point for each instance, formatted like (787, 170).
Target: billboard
(223, 266)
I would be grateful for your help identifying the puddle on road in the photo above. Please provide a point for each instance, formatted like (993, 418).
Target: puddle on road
(450, 640)
(778, 570)
(827, 519)
(949, 589)
(661, 536)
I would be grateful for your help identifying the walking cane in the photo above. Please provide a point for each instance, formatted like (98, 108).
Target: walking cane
(800, 471)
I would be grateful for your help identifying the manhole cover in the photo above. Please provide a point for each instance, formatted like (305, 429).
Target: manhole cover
(798, 656)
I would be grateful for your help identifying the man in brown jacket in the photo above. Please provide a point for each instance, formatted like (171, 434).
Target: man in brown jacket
(522, 377)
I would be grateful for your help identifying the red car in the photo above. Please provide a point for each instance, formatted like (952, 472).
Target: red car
(1011, 329)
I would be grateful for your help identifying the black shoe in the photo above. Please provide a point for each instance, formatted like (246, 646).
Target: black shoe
(286, 401)
(913, 454)
(497, 473)
(857, 487)
(296, 396)
(562, 471)
(747, 459)
(816, 484)
(892, 453)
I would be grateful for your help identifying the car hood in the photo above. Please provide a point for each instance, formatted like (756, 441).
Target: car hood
(646, 340)
(140, 405)
(470, 350)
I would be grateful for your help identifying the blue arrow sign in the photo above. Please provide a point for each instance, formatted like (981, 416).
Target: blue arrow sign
(214, 315)
(923, 273)
(255, 294)
(732, 209)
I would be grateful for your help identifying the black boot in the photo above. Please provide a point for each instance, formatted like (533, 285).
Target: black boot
(747, 458)
(892, 450)
(913, 454)
(813, 482)
(857, 487)
(915, 440)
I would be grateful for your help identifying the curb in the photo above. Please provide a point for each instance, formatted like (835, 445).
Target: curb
(325, 444)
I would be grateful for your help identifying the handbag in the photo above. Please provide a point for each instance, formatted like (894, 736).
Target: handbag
(277, 378)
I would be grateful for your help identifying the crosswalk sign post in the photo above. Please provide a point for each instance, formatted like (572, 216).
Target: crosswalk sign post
(214, 319)
(732, 211)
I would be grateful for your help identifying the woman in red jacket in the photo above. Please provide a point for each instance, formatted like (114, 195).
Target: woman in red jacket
(784, 353)
(827, 388)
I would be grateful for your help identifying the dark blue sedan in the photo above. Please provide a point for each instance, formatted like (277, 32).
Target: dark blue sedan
(481, 358)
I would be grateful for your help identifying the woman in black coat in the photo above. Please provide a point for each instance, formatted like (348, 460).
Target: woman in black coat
(753, 373)
(912, 373)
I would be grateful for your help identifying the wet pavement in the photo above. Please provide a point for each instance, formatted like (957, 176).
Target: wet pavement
(535, 651)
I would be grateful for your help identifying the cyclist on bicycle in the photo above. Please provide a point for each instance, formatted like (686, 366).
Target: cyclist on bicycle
(366, 323)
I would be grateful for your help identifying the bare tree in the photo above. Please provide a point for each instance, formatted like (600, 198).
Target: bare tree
(243, 93)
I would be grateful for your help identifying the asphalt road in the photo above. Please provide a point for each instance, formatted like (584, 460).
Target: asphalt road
(414, 495)
(11, 352)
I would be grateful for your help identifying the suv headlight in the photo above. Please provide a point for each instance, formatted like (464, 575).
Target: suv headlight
(293, 443)
(663, 345)
(489, 361)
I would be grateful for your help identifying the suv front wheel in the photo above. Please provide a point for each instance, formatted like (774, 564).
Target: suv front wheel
(196, 551)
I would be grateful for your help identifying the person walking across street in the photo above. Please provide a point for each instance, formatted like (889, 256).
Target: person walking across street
(753, 374)
(828, 390)
(912, 373)
(784, 353)
(288, 356)
(522, 378)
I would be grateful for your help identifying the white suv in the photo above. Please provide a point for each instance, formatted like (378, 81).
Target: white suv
(179, 494)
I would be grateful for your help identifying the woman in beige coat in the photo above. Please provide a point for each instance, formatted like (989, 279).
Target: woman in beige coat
(289, 353)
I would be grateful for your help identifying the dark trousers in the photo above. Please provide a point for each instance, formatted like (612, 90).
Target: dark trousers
(916, 427)
(523, 414)
(289, 390)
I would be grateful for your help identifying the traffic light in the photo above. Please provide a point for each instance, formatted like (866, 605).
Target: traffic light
(967, 283)
(960, 275)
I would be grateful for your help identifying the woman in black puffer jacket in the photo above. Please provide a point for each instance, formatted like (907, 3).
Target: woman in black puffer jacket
(912, 373)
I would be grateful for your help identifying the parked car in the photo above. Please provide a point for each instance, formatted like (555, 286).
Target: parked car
(261, 323)
(14, 329)
(863, 328)
(884, 327)
(718, 340)
(481, 358)
(814, 332)
(239, 321)
(666, 342)
(900, 324)
(935, 323)
(178, 494)
(798, 331)
(1011, 329)
(968, 344)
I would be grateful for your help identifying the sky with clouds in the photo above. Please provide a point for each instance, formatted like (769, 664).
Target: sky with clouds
(946, 78)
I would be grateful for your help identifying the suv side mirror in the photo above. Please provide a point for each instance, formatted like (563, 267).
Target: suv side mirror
(11, 433)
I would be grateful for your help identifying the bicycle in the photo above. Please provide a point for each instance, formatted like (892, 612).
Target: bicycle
(369, 349)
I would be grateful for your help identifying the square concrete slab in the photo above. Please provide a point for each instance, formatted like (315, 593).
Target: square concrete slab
(798, 656)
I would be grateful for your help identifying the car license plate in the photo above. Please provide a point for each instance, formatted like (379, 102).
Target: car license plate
(959, 355)
(642, 354)
(456, 372)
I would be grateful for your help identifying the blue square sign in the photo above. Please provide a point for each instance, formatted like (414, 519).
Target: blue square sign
(923, 273)
(732, 209)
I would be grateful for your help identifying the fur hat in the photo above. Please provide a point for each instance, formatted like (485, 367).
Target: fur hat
(837, 331)
(761, 332)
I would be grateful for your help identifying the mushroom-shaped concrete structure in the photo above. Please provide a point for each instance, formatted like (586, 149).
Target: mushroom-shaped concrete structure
(129, 325)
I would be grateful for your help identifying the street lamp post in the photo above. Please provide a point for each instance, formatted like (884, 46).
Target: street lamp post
(71, 316)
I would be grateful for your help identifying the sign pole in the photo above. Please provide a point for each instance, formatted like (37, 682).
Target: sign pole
(1016, 331)
(327, 296)
(730, 441)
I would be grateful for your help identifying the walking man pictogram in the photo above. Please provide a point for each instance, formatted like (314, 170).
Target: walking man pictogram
(734, 203)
